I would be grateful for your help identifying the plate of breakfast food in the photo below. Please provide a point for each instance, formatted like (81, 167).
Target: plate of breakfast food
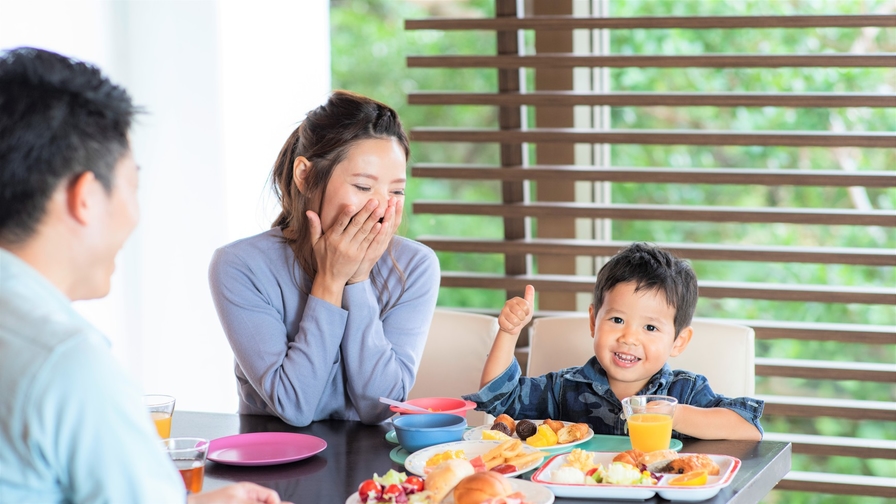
(549, 435)
(636, 475)
(510, 457)
(454, 481)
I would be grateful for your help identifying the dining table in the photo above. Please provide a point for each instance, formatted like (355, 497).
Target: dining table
(355, 451)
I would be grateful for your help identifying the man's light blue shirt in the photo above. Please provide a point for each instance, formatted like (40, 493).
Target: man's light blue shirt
(72, 424)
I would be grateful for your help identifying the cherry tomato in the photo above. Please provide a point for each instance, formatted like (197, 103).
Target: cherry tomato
(504, 468)
(591, 471)
(370, 490)
(413, 484)
(392, 491)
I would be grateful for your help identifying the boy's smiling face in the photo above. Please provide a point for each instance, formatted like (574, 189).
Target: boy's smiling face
(634, 335)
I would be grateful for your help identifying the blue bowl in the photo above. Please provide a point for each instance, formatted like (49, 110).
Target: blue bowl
(416, 432)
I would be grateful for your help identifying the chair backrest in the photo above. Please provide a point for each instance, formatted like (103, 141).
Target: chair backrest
(722, 352)
(454, 355)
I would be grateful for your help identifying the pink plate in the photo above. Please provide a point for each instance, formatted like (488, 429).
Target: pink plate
(264, 448)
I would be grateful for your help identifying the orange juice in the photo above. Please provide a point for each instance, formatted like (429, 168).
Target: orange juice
(192, 473)
(163, 423)
(650, 431)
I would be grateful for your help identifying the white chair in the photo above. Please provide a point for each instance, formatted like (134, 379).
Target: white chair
(454, 355)
(722, 352)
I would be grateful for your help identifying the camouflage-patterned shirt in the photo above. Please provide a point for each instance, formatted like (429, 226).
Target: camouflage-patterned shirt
(583, 394)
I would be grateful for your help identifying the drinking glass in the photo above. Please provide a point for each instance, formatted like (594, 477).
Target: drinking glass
(649, 420)
(161, 408)
(189, 455)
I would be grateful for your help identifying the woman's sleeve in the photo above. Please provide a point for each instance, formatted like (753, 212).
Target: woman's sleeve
(289, 372)
(381, 356)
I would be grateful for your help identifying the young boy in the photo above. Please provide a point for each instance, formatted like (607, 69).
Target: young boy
(644, 300)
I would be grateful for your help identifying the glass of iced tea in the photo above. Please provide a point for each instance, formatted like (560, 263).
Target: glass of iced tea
(189, 456)
(161, 408)
(649, 419)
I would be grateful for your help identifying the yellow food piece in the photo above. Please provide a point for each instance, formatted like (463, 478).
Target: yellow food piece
(693, 478)
(494, 435)
(438, 458)
(544, 436)
(580, 459)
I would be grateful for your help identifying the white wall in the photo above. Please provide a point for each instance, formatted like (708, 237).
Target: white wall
(223, 83)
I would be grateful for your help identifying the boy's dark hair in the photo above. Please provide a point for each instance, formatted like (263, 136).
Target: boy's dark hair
(653, 268)
(59, 118)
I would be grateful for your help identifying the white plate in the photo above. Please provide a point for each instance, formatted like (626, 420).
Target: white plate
(536, 494)
(417, 460)
(728, 468)
(475, 434)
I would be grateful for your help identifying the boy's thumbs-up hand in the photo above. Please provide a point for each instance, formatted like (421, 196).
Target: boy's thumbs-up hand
(517, 312)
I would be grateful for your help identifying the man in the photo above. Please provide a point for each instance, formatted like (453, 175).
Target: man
(72, 426)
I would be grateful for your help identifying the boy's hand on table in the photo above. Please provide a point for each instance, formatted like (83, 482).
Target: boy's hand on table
(517, 312)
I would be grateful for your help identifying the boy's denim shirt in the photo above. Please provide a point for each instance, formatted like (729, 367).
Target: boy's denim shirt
(582, 394)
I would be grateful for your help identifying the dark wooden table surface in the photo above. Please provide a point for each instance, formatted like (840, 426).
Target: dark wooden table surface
(355, 451)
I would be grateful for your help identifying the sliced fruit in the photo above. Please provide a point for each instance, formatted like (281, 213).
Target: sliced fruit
(693, 478)
(494, 435)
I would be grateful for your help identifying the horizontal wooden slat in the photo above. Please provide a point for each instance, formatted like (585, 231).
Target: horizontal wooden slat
(826, 370)
(752, 176)
(692, 251)
(656, 137)
(680, 213)
(840, 484)
(708, 288)
(618, 99)
(569, 60)
(828, 446)
(822, 407)
(696, 22)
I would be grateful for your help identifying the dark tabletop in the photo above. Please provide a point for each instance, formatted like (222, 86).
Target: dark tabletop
(355, 451)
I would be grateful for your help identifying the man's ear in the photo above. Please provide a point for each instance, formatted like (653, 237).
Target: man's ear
(681, 342)
(79, 196)
(299, 170)
(591, 316)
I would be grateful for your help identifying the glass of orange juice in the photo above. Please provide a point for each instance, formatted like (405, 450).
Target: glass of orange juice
(189, 455)
(649, 420)
(161, 408)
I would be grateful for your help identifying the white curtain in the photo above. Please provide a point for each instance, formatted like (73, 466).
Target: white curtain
(223, 84)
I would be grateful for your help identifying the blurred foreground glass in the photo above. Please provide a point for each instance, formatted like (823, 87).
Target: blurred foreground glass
(161, 408)
(189, 455)
(649, 421)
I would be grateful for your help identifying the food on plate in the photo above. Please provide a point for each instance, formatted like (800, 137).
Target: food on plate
(553, 424)
(572, 433)
(580, 459)
(440, 457)
(655, 461)
(446, 476)
(690, 463)
(525, 429)
(510, 452)
(501, 427)
(631, 457)
(480, 487)
(544, 436)
(493, 435)
(393, 487)
(693, 478)
(617, 473)
(506, 420)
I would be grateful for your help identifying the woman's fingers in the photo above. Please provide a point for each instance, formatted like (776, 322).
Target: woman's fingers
(314, 226)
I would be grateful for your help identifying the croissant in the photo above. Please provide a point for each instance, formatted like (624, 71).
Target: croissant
(695, 462)
(572, 433)
(630, 457)
(506, 420)
(554, 425)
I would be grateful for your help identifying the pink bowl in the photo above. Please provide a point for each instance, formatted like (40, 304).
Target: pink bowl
(437, 405)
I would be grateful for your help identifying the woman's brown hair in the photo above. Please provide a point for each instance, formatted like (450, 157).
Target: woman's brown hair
(324, 137)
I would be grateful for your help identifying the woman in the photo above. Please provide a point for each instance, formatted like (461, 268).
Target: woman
(329, 310)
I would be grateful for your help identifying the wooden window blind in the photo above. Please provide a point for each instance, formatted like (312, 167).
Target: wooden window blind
(539, 249)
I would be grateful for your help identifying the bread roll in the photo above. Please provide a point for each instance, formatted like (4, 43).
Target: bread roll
(445, 476)
(555, 425)
(657, 460)
(630, 457)
(480, 487)
(572, 433)
(509, 422)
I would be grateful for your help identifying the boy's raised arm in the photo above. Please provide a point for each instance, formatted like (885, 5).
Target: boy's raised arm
(713, 423)
(517, 312)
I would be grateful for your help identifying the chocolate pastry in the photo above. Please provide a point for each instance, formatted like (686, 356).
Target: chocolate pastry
(502, 427)
(503, 418)
(525, 429)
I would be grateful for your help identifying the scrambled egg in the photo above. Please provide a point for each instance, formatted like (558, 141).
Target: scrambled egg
(580, 459)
